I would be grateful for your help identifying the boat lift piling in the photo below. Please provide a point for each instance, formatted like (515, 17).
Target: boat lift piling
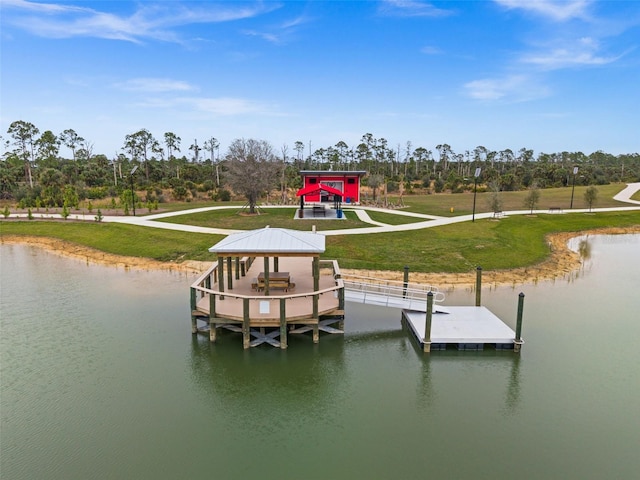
(426, 344)
(478, 286)
(517, 343)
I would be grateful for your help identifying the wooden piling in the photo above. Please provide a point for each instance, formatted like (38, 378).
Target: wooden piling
(212, 318)
(194, 321)
(427, 324)
(405, 282)
(518, 340)
(237, 268)
(283, 323)
(478, 286)
(246, 327)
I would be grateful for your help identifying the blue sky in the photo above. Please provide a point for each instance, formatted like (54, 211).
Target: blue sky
(545, 75)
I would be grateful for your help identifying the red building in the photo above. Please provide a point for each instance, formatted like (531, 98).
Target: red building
(346, 182)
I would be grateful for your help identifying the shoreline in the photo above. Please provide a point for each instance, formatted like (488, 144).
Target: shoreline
(561, 262)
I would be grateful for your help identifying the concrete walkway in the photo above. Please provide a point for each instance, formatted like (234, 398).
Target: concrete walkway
(429, 221)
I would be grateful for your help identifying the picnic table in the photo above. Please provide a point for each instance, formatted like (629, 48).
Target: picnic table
(276, 280)
(319, 210)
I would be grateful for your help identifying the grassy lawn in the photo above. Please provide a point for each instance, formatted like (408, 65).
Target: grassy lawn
(462, 203)
(118, 239)
(274, 217)
(392, 219)
(509, 243)
(636, 196)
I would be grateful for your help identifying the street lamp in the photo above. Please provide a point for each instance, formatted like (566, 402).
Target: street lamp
(475, 185)
(133, 197)
(575, 172)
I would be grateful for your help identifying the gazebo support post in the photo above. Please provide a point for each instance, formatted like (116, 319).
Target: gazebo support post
(266, 275)
(237, 268)
(221, 275)
(275, 264)
(229, 274)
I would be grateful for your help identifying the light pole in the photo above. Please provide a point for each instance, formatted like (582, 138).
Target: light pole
(575, 172)
(475, 186)
(133, 197)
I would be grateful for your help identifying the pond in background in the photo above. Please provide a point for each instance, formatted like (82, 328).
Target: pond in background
(101, 378)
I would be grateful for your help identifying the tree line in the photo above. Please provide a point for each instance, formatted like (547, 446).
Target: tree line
(33, 171)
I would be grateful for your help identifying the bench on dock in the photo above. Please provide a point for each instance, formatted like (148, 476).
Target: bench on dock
(555, 209)
(245, 264)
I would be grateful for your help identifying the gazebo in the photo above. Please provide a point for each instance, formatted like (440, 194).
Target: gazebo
(291, 288)
(318, 210)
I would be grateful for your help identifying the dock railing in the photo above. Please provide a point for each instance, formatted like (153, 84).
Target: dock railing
(390, 289)
(307, 301)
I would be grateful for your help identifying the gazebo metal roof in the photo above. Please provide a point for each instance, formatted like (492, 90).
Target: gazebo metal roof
(271, 241)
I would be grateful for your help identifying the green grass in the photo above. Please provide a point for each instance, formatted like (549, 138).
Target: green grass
(274, 217)
(118, 239)
(462, 203)
(392, 219)
(636, 196)
(509, 243)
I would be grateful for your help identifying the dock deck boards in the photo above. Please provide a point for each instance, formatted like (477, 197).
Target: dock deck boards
(463, 327)
(297, 308)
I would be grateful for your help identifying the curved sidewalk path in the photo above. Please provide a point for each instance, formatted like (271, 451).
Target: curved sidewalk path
(428, 221)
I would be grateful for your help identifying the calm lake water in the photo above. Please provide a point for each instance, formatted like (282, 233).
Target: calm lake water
(102, 379)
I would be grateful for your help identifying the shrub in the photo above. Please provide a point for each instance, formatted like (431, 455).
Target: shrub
(224, 195)
(95, 193)
(180, 192)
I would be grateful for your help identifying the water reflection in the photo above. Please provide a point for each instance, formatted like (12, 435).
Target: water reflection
(584, 249)
(229, 373)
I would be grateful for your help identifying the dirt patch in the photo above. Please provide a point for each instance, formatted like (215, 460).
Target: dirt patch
(561, 262)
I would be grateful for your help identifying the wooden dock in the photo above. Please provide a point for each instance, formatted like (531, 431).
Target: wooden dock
(269, 283)
(465, 328)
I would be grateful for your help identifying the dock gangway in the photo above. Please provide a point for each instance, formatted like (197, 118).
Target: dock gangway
(391, 293)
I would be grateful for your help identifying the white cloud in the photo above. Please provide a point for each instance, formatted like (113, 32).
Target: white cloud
(155, 85)
(583, 52)
(555, 10)
(431, 50)
(279, 34)
(511, 88)
(149, 21)
(411, 8)
(224, 106)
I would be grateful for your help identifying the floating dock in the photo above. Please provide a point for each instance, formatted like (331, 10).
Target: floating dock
(466, 328)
